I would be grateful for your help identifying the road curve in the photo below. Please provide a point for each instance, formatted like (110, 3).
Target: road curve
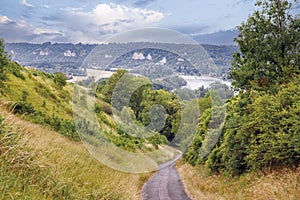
(166, 184)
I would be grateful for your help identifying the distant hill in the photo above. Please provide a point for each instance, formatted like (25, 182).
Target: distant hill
(49, 57)
(71, 58)
(217, 38)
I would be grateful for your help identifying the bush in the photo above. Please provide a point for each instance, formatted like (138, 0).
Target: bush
(15, 69)
(261, 132)
(60, 79)
(22, 108)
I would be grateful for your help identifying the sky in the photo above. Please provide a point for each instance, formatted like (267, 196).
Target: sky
(93, 21)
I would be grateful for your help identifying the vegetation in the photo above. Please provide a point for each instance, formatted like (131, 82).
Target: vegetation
(38, 163)
(67, 58)
(269, 45)
(280, 184)
(60, 79)
(42, 164)
(56, 166)
(35, 95)
(3, 62)
(46, 99)
(261, 130)
(141, 101)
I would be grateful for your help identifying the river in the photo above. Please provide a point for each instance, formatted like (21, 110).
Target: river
(194, 82)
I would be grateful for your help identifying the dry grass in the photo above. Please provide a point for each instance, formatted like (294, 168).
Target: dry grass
(70, 163)
(281, 184)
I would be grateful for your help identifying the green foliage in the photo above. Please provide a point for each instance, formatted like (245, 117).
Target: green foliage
(170, 82)
(261, 131)
(44, 104)
(15, 69)
(172, 108)
(3, 61)
(209, 124)
(158, 139)
(44, 91)
(24, 95)
(269, 47)
(60, 79)
(262, 123)
(22, 108)
(141, 101)
(108, 90)
(63, 126)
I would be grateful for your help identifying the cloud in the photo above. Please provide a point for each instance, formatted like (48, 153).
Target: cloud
(76, 25)
(142, 3)
(110, 13)
(25, 3)
(106, 19)
(19, 31)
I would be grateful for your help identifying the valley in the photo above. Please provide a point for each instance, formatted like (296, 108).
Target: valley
(151, 114)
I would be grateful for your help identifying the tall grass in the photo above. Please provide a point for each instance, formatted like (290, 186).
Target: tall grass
(280, 184)
(21, 177)
(38, 163)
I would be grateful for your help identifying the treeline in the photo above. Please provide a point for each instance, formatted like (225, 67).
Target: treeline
(68, 58)
(262, 128)
(141, 100)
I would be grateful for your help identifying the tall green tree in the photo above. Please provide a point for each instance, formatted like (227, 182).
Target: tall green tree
(269, 44)
(3, 61)
(262, 124)
(108, 89)
(60, 79)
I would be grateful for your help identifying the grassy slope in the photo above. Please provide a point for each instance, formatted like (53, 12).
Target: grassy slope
(281, 184)
(53, 105)
(40, 88)
(67, 162)
(70, 171)
(66, 167)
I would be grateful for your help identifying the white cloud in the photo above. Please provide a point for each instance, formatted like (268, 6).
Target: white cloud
(25, 3)
(19, 31)
(3, 19)
(76, 25)
(108, 19)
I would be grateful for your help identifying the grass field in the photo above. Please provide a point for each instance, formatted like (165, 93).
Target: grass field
(281, 184)
(38, 163)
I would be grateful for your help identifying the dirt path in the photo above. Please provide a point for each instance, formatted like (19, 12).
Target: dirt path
(166, 184)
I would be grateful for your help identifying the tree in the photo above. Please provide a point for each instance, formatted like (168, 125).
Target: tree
(3, 61)
(108, 90)
(261, 130)
(60, 79)
(269, 44)
(172, 108)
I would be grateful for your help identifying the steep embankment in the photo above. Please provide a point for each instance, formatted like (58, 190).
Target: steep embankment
(278, 184)
(41, 154)
(37, 162)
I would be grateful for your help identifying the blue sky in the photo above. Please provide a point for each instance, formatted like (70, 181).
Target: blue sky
(93, 21)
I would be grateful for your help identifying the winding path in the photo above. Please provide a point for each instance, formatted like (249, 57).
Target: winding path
(166, 184)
